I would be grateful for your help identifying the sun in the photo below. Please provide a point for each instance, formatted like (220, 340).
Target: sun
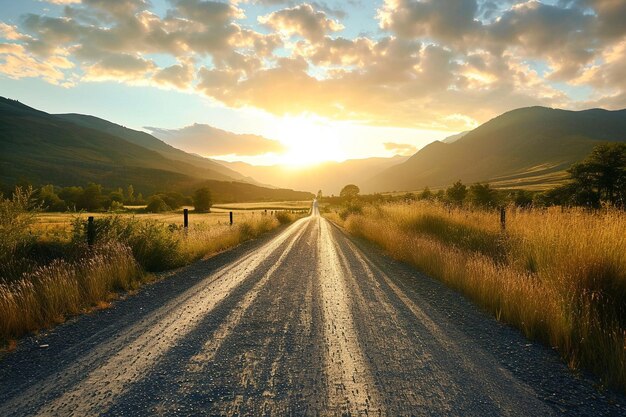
(309, 140)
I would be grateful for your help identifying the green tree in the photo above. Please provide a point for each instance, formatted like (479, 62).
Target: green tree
(319, 195)
(71, 196)
(349, 191)
(130, 194)
(202, 200)
(457, 192)
(173, 199)
(523, 198)
(602, 175)
(117, 196)
(156, 205)
(483, 195)
(91, 199)
(426, 194)
(49, 199)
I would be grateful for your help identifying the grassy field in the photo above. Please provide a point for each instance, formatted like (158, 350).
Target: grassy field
(278, 205)
(557, 275)
(59, 225)
(47, 272)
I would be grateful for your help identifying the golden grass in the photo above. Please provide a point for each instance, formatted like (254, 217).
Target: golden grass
(203, 240)
(559, 276)
(58, 226)
(50, 293)
(269, 205)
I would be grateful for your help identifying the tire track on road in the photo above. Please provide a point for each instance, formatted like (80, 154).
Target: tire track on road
(131, 360)
(351, 389)
(473, 366)
(198, 363)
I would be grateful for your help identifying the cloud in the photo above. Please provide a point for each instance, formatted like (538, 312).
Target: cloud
(302, 20)
(434, 64)
(400, 148)
(449, 20)
(179, 76)
(209, 141)
(15, 62)
(10, 33)
(120, 67)
(61, 1)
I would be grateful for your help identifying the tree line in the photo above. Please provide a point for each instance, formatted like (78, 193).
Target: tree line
(94, 197)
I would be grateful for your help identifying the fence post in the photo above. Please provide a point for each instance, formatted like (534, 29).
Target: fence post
(91, 231)
(503, 217)
(231, 218)
(185, 218)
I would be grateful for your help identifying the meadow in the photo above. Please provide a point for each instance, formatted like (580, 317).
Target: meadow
(557, 274)
(48, 272)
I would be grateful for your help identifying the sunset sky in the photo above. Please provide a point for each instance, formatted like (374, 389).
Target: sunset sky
(326, 79)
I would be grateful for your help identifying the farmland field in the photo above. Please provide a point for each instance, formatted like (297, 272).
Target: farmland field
(59, 225)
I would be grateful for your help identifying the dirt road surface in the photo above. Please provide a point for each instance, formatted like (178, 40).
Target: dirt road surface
(304, 322)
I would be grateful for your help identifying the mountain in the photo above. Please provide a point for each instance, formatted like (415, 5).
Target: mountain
(528, 147)
(454, 138)
(41, 148)
(204, 139)
(330, 177)
(150, 142)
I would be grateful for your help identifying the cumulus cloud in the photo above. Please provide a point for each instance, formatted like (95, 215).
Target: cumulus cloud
(449, 20)
(209, 141)
(120, 67)
(16, 63)
(302, 20)
(400, 148)
(179, 75)
(434, 64)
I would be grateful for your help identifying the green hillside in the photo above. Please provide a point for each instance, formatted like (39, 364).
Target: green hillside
(150, 142)
(40, 148)
(529, 147)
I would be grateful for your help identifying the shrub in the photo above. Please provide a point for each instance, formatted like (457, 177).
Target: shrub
(154, 246)
(284, 217)
(352, 207)
(16, 217)
(202, 200)
(156, 205)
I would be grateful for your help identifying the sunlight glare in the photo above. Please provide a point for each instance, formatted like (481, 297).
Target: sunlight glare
(309, 140)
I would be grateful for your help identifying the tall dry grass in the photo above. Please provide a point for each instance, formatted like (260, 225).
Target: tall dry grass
(559, 276)
(126, 250)
(48, 294)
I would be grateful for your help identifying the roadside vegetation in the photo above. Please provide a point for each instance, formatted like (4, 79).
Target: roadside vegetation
(46, 276)
(557, 273)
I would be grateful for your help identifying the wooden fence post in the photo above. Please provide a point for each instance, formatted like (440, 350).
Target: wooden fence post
(231, 218)
(503, 217)
(91, 231)
(185, 218)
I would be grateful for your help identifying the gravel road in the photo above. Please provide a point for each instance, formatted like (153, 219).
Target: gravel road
(306, 321)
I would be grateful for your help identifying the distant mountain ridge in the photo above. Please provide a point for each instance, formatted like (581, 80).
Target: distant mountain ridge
(330, 177)
(41, 148)
(454, 138)
(527, 147)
